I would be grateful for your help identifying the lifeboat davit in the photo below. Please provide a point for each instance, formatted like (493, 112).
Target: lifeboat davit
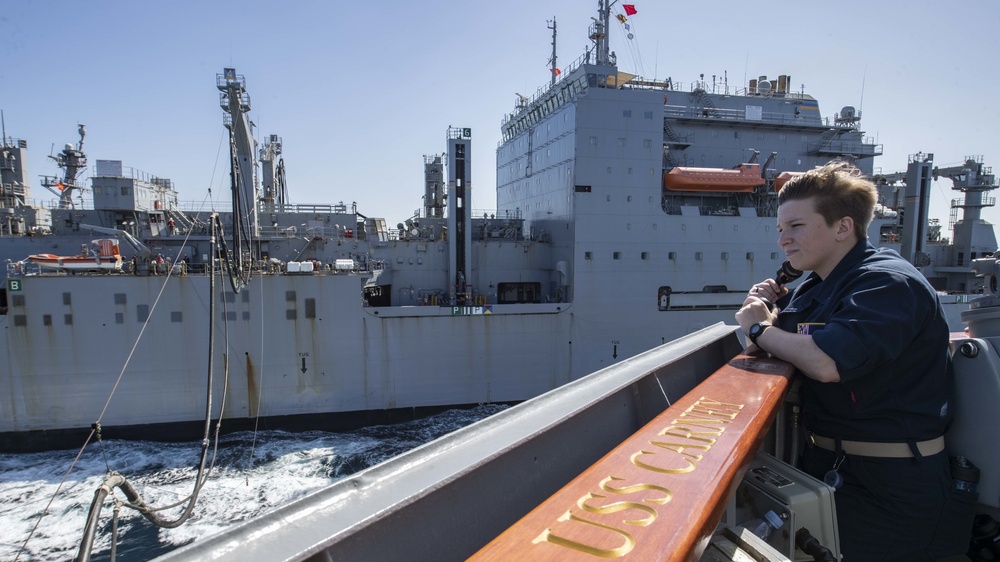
(103, 254)
(740, 180)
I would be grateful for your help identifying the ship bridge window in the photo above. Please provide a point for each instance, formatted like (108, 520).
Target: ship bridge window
(515, 293)
(627, 113)
(715, 289)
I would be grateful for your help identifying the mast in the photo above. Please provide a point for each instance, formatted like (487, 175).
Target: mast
(599, 32)
(553, 69)
(73, 161)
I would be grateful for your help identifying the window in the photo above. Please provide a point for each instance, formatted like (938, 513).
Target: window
(648, 115)
(627, 114)
(616, 255)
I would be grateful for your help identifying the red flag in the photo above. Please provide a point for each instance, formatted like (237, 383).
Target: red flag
(629, 9)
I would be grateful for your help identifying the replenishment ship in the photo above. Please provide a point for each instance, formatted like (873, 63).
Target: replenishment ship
(628, 212)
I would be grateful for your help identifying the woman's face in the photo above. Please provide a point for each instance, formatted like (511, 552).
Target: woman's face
(808, 242)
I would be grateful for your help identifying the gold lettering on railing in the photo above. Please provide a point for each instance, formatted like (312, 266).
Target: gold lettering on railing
(615, 507)
(626, 547)
(701, 424)
(642, 487)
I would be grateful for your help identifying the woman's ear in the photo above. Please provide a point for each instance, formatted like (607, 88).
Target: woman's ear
(845, 228)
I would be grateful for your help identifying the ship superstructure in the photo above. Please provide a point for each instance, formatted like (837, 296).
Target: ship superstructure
(629, 212)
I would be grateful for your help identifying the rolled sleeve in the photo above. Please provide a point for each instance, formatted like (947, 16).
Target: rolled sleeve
(873, 323)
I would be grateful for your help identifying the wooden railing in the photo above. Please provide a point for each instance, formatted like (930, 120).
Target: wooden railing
(662, 492)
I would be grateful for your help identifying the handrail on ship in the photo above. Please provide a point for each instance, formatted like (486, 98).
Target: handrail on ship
(661, 493)
(447, 499)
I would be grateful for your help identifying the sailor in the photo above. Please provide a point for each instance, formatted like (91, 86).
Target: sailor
(867, 331)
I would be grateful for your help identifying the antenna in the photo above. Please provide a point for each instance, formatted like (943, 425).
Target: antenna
(861, 105)
(3, 123)
(745, 65)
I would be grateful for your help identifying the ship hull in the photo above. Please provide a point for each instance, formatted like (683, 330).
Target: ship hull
(288, 347)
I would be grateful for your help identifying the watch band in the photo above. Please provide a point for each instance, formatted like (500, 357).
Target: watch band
(756, 330)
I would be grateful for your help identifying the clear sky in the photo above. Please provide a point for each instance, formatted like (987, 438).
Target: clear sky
(360, 91)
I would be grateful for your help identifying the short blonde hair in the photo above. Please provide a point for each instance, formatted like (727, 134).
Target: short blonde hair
(839, 190)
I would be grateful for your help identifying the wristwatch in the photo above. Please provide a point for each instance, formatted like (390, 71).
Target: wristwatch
(756, 330)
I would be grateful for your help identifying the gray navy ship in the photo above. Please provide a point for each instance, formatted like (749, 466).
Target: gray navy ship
(628, 212)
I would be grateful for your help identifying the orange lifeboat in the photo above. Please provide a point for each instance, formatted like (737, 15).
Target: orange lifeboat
(783, 178)
(740, 180)
(103, 254)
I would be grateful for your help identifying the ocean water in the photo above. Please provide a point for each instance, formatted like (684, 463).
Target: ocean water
(244, 482)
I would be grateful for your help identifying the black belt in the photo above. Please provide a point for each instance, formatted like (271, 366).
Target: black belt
(883, 450)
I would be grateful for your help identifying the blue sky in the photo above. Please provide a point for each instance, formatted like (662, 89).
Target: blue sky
(359, 92)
